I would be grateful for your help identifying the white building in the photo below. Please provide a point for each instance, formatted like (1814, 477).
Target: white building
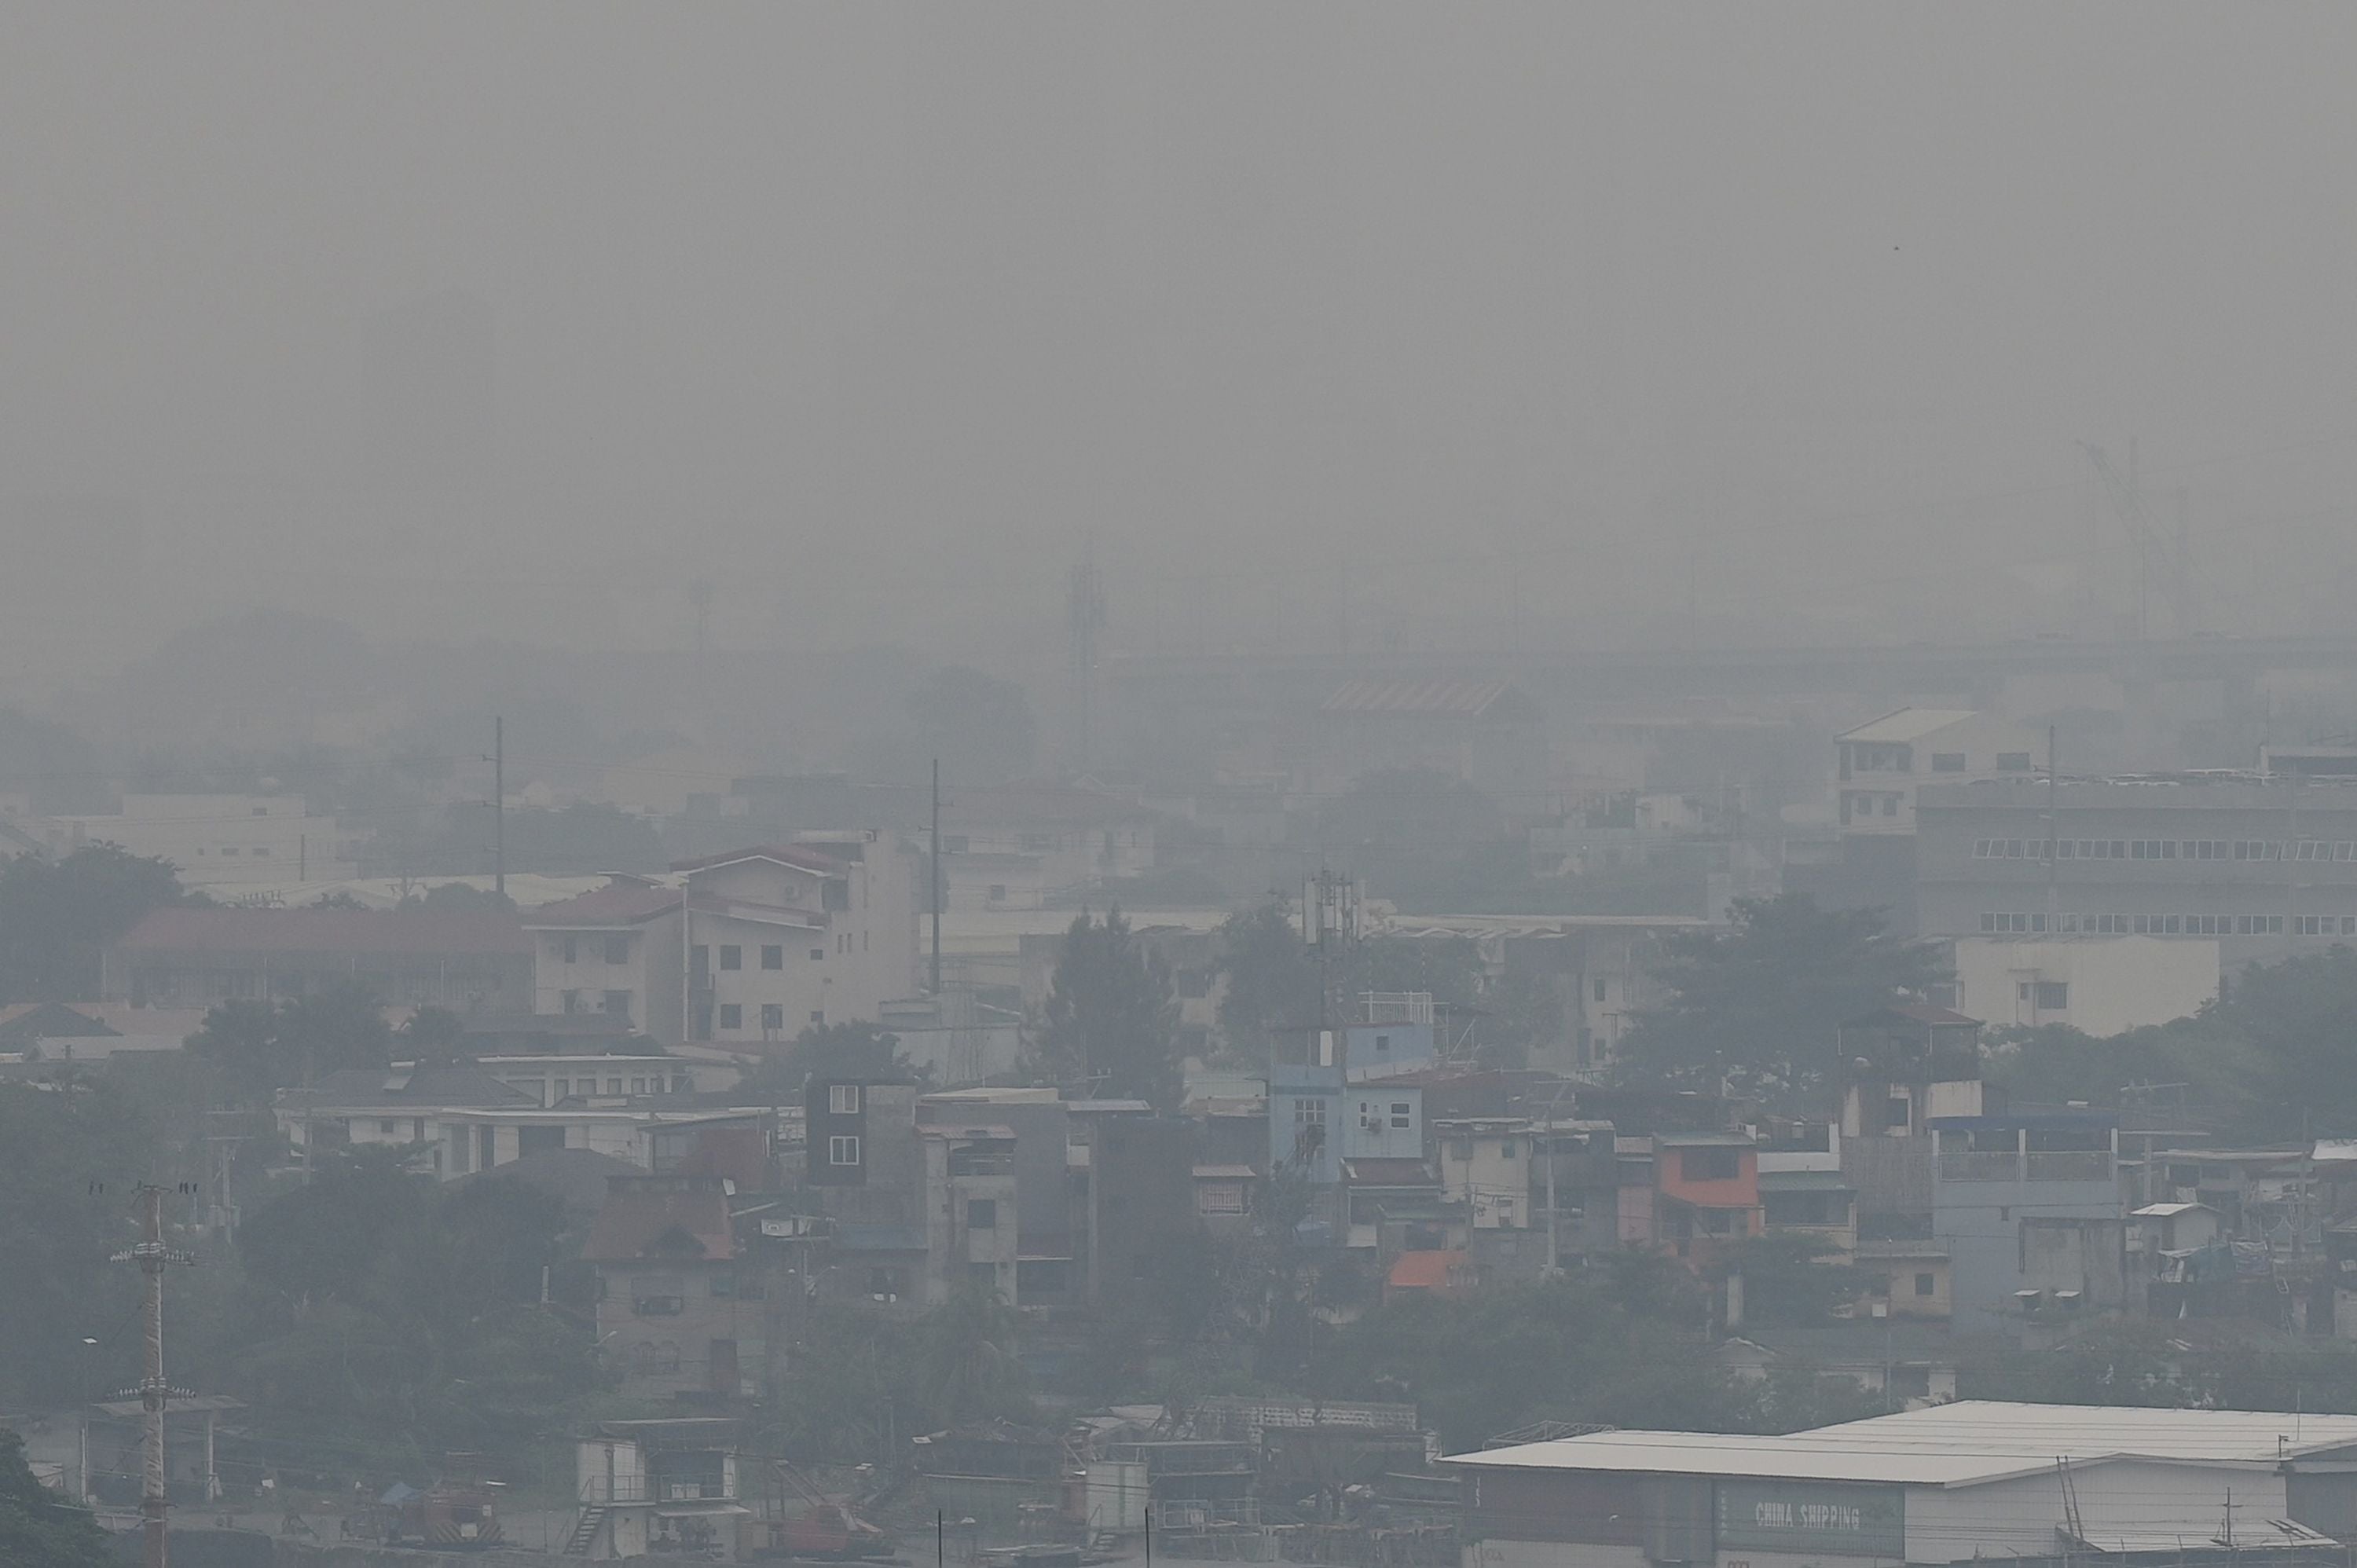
(257, 842)
(749, 947)
(1879, 764)
(2101, 985)
(1948, 1483)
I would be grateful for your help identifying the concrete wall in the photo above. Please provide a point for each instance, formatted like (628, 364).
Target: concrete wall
(2115, 984)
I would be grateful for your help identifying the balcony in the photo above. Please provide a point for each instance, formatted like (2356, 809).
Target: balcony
(1980, 1165)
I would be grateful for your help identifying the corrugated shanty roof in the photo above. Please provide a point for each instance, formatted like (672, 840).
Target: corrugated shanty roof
(1451, 699)
(1908, 723)
(1943, 1446)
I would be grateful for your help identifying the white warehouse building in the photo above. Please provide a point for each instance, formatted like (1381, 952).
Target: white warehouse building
(1940, 1485)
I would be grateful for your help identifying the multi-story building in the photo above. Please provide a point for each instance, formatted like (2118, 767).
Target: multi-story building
(2266, 867)
(250, 842)
(743, 947)
(1879, 765)
(2027, 1204)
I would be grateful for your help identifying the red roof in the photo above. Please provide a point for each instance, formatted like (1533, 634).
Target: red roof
(802, 858)
(739, 1153)
(661, 1217)
(1445, 1270)
(618, 904)
(328, 930)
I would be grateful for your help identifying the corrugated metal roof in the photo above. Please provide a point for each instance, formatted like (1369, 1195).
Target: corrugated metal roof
(1459, 699)
(1908, 723)
(1943, 1445)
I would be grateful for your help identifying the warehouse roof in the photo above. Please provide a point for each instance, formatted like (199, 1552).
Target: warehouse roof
(1943, 1445)
(1906, 724)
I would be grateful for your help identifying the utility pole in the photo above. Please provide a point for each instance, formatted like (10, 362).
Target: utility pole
(2054, 849)
(500, 806)
(155, 1394)
(934, 861)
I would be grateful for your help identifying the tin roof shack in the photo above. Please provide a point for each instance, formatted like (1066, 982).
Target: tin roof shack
(1945, 1483)
(662, 1485)
(1010, 1480)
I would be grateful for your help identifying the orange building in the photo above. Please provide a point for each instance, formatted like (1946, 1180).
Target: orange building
(1706, 1191)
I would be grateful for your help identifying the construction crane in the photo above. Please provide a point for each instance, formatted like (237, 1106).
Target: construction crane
(2153, 555)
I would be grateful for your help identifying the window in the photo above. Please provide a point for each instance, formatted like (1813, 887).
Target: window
(570, 947)
(1947, 762)
(659, 1305)
(1600, 988)
(818, 953)
(262, 849)
(1926, 1284)
(732, 1016)
(1308, 1113)
(843, 1099)
(818, 1016)
(388, 1127)
(1038, 843)
(1400, 1113)
(2050, 995)
(616, 1002)
(953, 843)
(997, 893)
(982, 1214)
(1383, 1044)
(842, 1150)
(731, 956)
(773, 1017)
(1220, 1198)
(1710, 1164)
(613, 1086)
(1911, 1382)
(1505, 1211)
(229, 852)
(983, 1275)
(773, 956)
(1510, 1150)
(618, 948)
(1890, 805)
(2013, 762)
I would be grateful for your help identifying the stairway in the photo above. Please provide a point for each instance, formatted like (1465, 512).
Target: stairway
(585, 1530)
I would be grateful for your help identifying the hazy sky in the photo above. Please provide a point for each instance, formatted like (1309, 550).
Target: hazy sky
(1787, 318)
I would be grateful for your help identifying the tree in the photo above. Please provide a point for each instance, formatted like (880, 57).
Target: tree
(1272, 990)
(1788, 1281)
(260, 1048)
(460, 896)
(830, 1050)
(1753, 1008)
(1112, 1021)
(38, 1528)
(56, 917)
(433, 1035)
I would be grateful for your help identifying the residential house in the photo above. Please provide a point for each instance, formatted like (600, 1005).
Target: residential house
(681, 1305)
(1912, 1279)
(2027, 1202)
(468, 961)
(462, 1119)
(1706, 1191)
(1042, 1220)
(1802, 1190)
(1140, 1199)
(746, 947)
(93, 1031)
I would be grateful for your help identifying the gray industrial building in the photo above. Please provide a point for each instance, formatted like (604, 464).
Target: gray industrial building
(2268, 866)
